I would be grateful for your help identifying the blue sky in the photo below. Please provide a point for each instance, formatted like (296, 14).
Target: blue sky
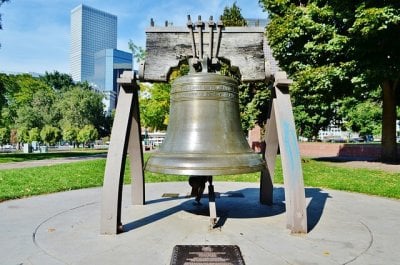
(36, 33)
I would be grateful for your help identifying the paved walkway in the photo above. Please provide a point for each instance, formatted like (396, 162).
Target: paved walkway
(63, 228)
(49, 162)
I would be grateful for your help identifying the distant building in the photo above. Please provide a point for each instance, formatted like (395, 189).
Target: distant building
(92, 30)
(333, 133)
(108, 66)
(94, 54)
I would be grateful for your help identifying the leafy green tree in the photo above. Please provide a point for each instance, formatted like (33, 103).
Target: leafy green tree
(70, 134)
(57, 80)
(50, 135)
(87, 134)
(80, 106)
(253, 99)
(137, 51)
(34, 135)
(7, 100)
(365, 118)
(154, 105)
(4, 136)
(38, 111)
(154, 100)
(374, 38)
(3, 100)
(334, 50)
(22, 135)
(28, 102)
(28, 86)
(362, 113)
(315, 96)
(232, 16)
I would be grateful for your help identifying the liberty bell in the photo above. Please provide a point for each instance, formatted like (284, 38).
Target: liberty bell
(204, 135)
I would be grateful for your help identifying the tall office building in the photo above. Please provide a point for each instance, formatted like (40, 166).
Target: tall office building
(92, 30)
(109, 65)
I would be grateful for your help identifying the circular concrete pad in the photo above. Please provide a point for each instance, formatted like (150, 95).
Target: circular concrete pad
(63, 228)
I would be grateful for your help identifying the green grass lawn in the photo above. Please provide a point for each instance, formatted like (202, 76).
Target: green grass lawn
(25, 182)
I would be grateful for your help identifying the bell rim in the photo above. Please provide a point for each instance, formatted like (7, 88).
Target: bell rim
(204, 171)
(212, 164)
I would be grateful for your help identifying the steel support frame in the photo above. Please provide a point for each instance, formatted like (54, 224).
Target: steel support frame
(125, 139)
(281, 132)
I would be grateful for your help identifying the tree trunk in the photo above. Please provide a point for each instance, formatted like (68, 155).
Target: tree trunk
(389, 146)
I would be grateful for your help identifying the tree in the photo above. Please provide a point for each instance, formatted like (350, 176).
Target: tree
(79, 106)
(154, 105)
(374, 34)
(154, 100)
(334, 50)
(362, 114)
(3, 100)
(26, 102)
(87, 134)
(232, 16)
(22, 135)
(7, 99)
(50, 135)
(34, 135)
(38, 111)
(4, 136)
(57, 80)
(70, 134)
(137, 51)
(253, 100)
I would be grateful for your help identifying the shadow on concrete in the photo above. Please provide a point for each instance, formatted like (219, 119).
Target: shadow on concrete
(316, 206)
(247, 206)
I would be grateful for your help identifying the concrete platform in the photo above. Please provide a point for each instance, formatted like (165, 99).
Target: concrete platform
(63, 228)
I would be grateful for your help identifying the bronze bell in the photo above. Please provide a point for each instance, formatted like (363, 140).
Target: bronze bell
(204, 135)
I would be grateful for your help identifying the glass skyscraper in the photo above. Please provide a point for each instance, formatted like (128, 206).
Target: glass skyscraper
(92, 30)
(108, 66)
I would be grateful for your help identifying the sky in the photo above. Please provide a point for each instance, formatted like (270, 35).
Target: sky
(36, 33)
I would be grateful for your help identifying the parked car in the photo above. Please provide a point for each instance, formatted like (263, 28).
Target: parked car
(357, 140)
(368, 138)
